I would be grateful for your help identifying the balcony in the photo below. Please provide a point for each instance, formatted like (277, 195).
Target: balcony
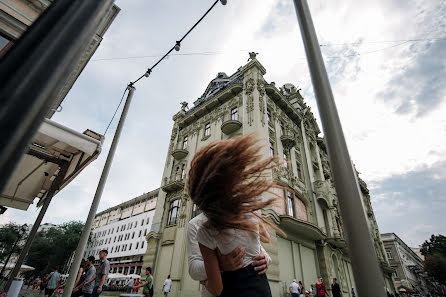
(174, 183)
(179, 154)
(230, 126)
(337, 240)
(288, 140)
(300, 228)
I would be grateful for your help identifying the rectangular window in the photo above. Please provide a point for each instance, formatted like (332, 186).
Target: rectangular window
(133, 235)
(389, 254)
(195, 211)
(271, 149)
(183, 171)
(285, 160)
(282, 129)
(148, 220)
(142, 244)
(289, 203)
(268, 115)
(207, 129)
(173, 212)
(145, 232)
(140, 232)
(142, 222)
(137, 245)
(184, 143)
(234, 114)
(299, 170)
(130, 247)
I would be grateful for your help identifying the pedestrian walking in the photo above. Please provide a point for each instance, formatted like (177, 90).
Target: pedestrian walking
(135, 286)
(77, 287)
(147, 285)
(130, 285)
(294, 289)
(90, 278)
(53, 279)
(225, 182)
(101, 274)
(321, 291)
(335, 289)
(301, 289)
(353, 293)
(167, 285)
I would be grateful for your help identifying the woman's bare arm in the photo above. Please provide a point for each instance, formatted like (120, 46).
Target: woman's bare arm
(214, 282)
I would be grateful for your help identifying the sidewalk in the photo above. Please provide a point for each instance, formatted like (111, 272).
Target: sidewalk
(24, 292)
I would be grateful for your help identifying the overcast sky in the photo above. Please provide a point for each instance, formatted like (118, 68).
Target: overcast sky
(390, 94)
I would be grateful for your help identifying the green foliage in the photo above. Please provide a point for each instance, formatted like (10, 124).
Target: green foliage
(54, 247)
(434, 251)
(8, 236)
(436, 245)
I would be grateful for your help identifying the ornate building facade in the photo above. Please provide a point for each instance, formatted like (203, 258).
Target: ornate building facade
(307, 211)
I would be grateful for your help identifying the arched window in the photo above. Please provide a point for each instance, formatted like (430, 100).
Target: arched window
(173, 212)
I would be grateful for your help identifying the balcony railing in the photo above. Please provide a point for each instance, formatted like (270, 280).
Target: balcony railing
(173, 183)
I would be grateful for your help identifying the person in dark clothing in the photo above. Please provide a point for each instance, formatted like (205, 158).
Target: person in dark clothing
(335, 289)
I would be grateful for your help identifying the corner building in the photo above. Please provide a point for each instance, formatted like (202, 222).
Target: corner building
(307, 211)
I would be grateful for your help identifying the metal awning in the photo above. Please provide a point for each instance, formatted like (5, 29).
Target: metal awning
(52, 146)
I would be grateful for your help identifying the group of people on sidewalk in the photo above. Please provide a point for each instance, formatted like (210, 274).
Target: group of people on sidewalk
(318, 290)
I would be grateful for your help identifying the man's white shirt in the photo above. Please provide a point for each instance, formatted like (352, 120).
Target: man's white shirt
(195, 259)
(167, 284)
(294, 287)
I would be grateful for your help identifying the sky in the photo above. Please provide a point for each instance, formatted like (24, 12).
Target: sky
(386, 60)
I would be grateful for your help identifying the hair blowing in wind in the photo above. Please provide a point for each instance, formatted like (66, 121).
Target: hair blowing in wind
(226, 181)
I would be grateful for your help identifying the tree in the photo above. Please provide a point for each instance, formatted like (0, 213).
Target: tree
(8, 236)
(434, 251)
(54, 247)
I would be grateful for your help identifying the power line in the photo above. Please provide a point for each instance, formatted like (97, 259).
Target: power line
(213, 53)
(175, 47)
(120, 102)
(384, 41)
(178, 43)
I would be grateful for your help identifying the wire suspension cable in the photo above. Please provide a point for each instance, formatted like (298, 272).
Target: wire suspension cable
(178, 42)
(117, 108)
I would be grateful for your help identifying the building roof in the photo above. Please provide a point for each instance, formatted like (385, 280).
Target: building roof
(130, 202)
(396, 238)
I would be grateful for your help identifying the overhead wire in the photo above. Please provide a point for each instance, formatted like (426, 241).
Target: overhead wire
(175, 47)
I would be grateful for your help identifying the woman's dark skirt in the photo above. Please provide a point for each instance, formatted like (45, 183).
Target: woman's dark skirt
(245, 282)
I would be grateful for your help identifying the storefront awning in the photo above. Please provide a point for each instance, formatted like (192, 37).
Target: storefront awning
(54, 145)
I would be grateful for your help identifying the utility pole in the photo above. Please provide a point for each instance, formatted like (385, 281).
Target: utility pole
(368, 275)
(97, 198)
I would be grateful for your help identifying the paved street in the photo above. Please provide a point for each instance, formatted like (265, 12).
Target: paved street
(30, 293)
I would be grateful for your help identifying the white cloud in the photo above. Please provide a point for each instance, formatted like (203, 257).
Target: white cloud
(382, 142)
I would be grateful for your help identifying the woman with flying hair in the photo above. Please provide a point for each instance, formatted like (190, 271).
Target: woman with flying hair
(226, 181)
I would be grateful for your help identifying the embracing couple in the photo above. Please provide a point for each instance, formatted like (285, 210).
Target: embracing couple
(224, 241)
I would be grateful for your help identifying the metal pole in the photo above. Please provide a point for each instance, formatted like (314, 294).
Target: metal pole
(97, 198)
(63, 167)
(35, 69)
(367, 273)
(15, 271)
(10, 254)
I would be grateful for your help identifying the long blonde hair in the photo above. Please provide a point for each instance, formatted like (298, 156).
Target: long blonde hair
(226, 180)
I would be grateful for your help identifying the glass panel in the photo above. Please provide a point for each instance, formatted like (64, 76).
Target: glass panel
(234, 114)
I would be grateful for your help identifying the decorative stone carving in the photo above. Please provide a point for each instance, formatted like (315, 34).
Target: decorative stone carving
(249, 88)
(184, 105)
(261, 89)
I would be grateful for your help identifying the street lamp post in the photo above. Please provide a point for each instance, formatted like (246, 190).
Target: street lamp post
(20, 234)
